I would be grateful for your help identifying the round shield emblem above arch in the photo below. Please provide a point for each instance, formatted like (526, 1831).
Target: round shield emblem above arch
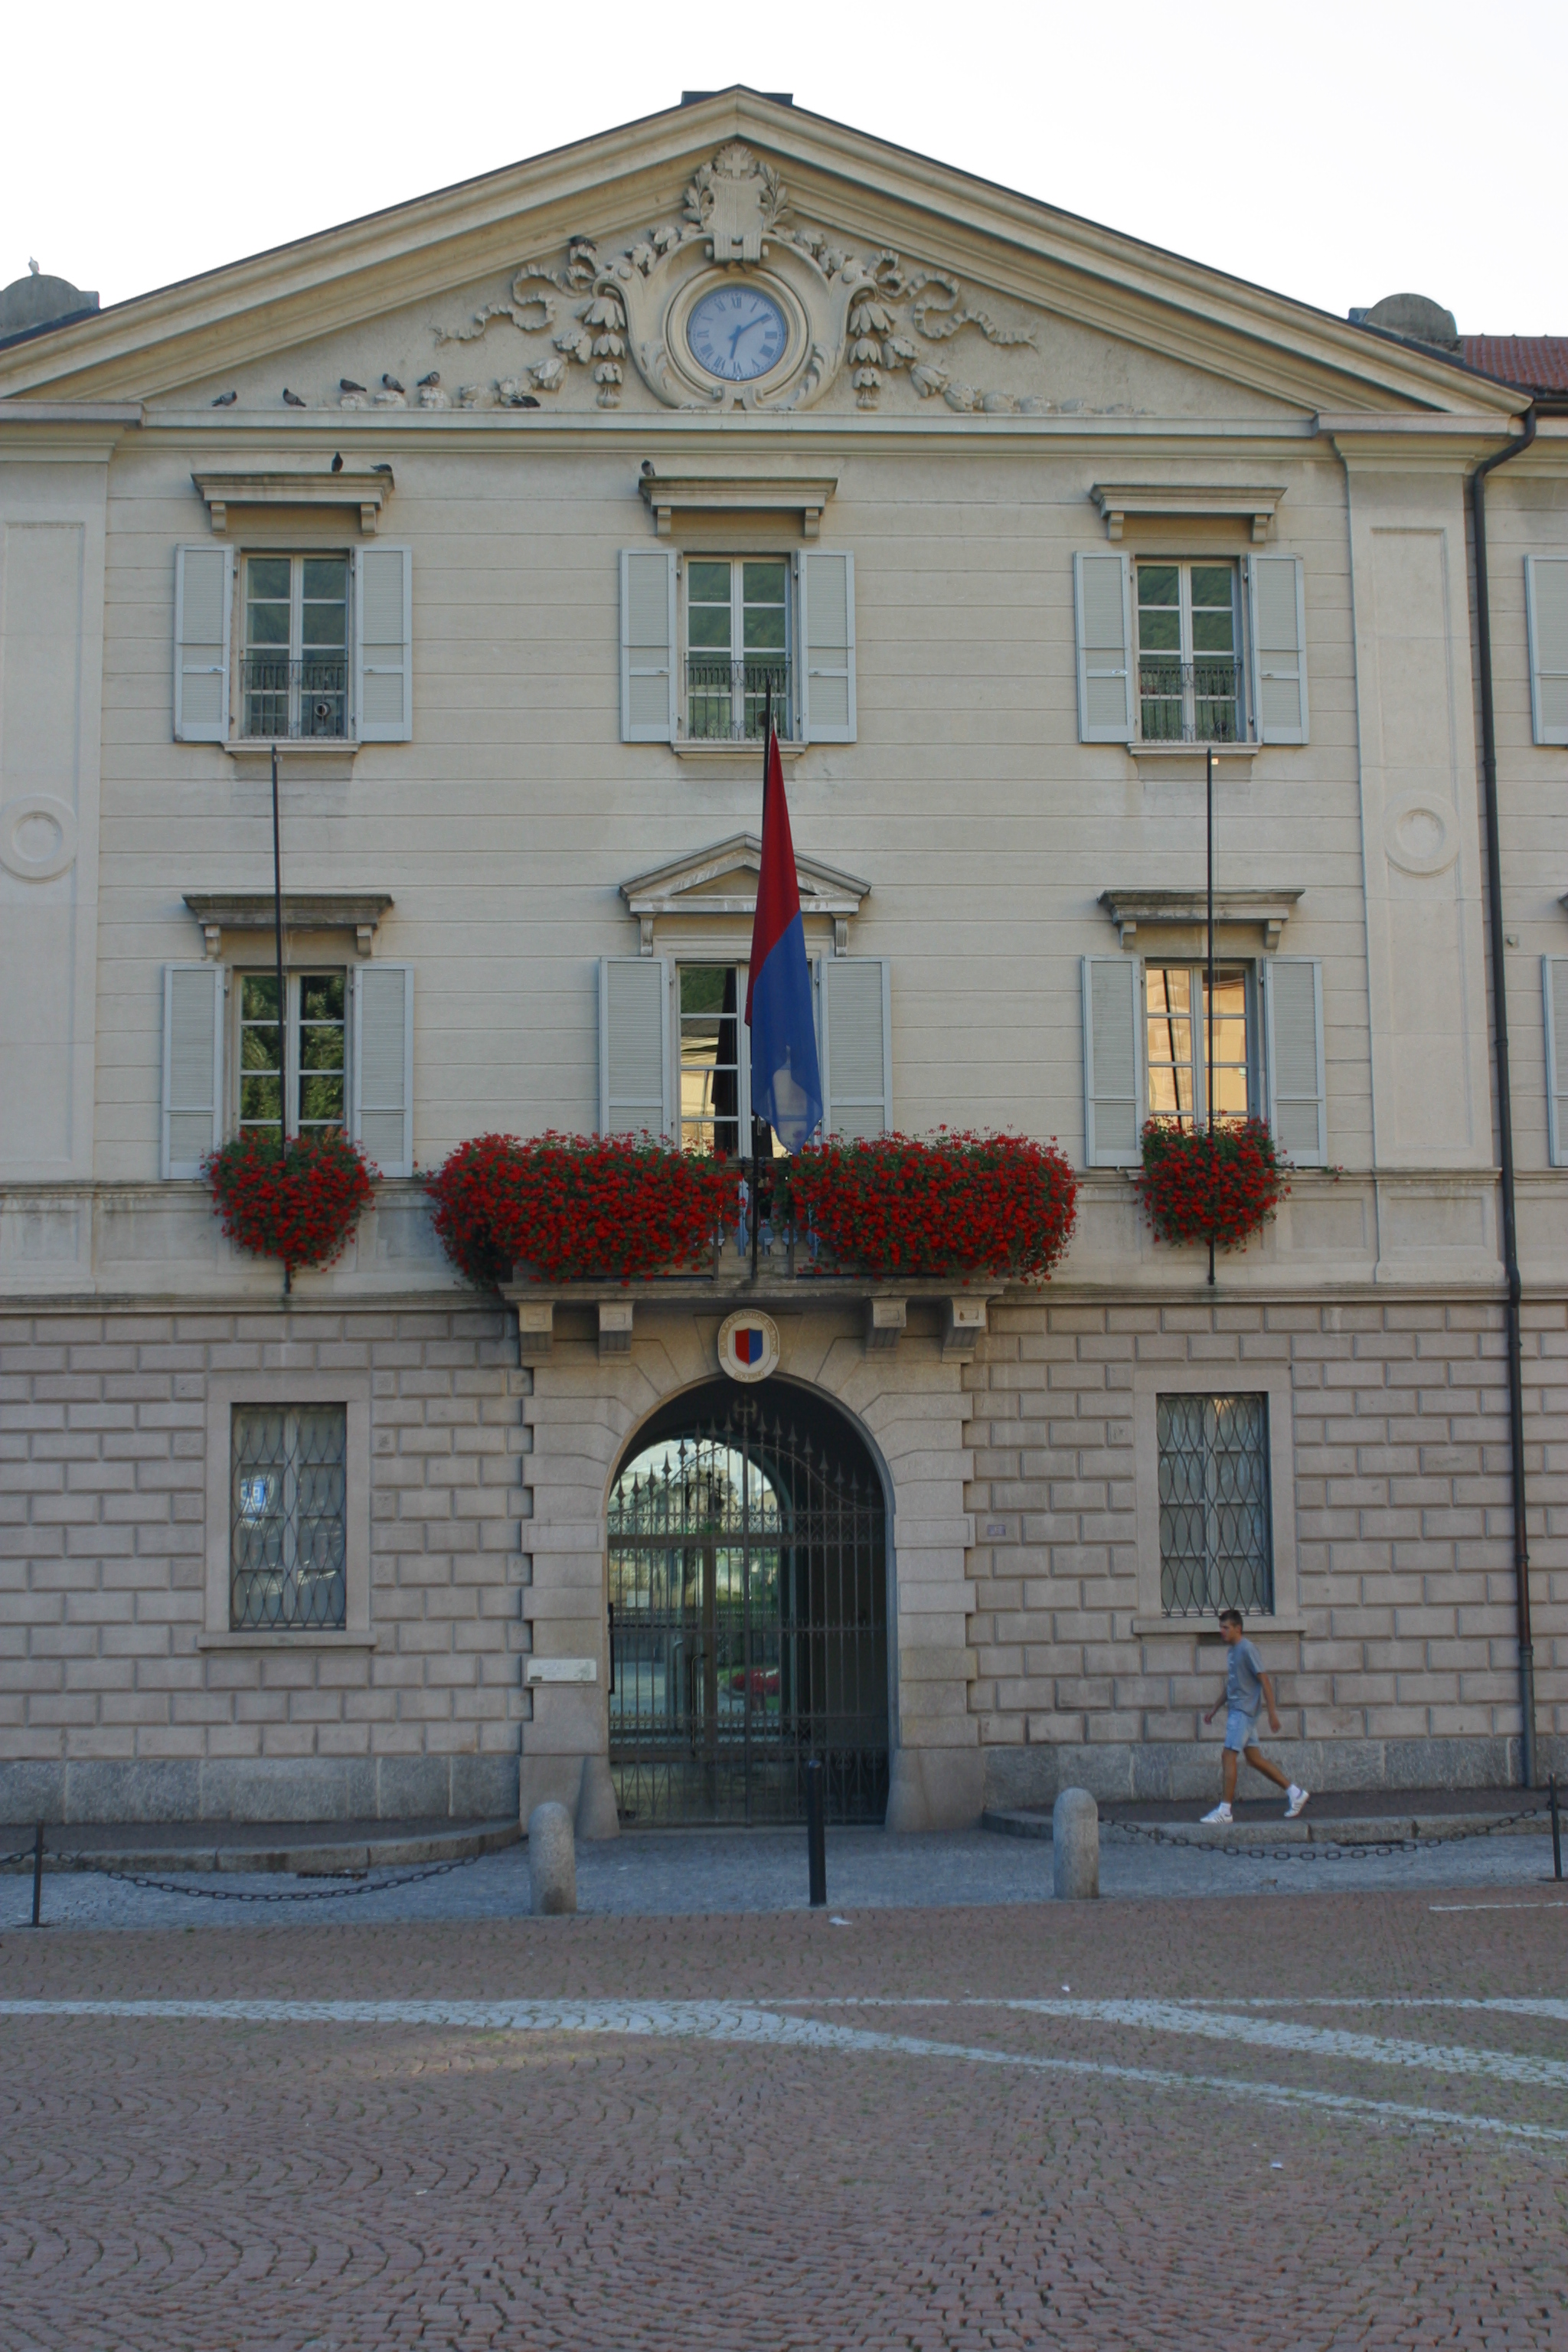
(748, 1345)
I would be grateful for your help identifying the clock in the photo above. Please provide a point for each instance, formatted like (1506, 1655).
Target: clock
(737, 332)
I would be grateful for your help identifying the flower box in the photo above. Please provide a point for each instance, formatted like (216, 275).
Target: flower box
(1219, 1184)
(571, 1208)
(298, 1202)
(953, 1205)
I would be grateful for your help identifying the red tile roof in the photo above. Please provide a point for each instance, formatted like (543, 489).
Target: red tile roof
(1535, 362)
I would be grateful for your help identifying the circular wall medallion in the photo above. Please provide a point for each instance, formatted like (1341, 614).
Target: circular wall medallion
(737, 333)
(748, 1345)
(38, 836)
(1420, 835)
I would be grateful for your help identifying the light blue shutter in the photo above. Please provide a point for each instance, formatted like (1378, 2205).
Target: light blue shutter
(383, 1065)
(1103, 611)
(1554, 979)
(634, 1046)
(648, 698)
(826, 647)
(1277, 616)
(857, 1044)
(193, 1066)
(1546, 613)
(204, 598)
(1293, 1046)
(1112, 1064)
(384, 640)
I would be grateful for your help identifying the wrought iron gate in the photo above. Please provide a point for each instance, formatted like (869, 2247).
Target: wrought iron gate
(748, 1626)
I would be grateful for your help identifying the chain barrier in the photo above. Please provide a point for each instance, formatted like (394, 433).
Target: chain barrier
(1384, 1848)
(364, 1882)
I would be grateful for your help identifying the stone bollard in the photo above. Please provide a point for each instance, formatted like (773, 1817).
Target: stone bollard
(552, 1861)
(1075, 1846)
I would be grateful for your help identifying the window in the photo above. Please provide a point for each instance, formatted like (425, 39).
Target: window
(737, 647)
(1179, 1052)
(314, 1074)
(706, 639)
(1189, 654)
(287, 1548)
(711, 1069)
(324, 644)
(1215, 1510)
(294, 676)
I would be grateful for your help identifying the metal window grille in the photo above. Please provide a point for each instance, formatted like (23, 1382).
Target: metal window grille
(287, 1541)
(1190, 701)
(284, 700)
(1216, 1537)
(748, 1628)
(725, 700)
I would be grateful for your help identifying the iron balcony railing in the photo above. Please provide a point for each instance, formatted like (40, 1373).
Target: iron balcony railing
(1191, 702)
(283, 700)
(725, 700)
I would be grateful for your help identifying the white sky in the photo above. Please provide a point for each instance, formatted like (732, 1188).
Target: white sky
(1337, 152)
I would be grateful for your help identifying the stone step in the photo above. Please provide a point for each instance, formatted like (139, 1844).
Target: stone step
(303, 1849)
(1367, 1828)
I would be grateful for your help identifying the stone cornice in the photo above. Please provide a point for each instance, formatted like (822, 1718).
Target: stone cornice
(1135, 908)
(296, 487)
(1118, 499)
(735, 493)
(359, 911)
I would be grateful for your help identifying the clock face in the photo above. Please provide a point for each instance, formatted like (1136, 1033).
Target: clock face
(738, 334)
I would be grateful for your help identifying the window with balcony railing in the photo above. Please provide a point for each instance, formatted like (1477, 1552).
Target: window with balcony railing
(738, 648)
(1190, 682)
(294, 669)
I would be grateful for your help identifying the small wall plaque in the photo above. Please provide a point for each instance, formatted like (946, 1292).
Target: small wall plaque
(562, 1670)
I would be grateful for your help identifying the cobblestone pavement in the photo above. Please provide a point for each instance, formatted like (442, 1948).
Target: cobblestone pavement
(1330, 2117)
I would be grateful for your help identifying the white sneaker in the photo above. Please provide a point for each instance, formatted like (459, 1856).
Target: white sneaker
(1221, 1814)
(1295, 1800)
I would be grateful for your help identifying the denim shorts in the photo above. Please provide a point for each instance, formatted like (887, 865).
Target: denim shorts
(1240, 1730)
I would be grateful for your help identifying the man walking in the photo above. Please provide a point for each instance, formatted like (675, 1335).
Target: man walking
(1246, 1683)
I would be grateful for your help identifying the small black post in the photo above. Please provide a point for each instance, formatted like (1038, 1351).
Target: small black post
(39, 1872)
(612, 1649)
(816, 1837)
(1208, 1057)
(1556, 1832)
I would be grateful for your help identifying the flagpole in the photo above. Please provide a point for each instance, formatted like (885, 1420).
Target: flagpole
(282, 1005)
(1209, 1008)
(756, 1155)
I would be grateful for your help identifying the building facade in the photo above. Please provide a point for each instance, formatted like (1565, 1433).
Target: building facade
(496, 519)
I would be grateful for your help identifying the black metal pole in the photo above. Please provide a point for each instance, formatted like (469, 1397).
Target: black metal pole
(39, 1872)
(816, 1837)
(1209, 989)
(1512, 1338)
(282, 1001)
(612, 1649)
(1556, 1834)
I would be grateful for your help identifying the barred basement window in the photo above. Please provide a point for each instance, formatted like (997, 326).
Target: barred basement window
(287, 1538)
(1216, 1544)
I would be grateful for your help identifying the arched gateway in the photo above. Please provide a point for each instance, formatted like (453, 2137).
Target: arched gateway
(748, 1592)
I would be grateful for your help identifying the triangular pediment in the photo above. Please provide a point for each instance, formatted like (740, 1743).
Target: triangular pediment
(564, 284)
(722, 880)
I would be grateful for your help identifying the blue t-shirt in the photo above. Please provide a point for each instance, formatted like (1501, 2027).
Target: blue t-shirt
(1244, 1678)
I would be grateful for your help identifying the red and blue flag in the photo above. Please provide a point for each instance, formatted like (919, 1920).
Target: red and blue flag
(786, 1079)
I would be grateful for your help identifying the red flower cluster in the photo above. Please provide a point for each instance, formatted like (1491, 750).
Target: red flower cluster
(955, 1205)
(298, 1202)
(573, 1207)
(1223, 1185)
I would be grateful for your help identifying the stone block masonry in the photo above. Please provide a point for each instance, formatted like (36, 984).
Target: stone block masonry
(120, 1700)
(1394, 1655)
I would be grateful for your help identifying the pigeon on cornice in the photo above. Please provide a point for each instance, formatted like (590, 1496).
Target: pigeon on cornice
(292, 399)
(226, 399)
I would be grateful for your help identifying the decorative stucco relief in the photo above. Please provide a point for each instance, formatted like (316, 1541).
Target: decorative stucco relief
(869, 314)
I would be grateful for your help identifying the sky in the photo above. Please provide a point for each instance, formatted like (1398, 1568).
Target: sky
(1337, 152)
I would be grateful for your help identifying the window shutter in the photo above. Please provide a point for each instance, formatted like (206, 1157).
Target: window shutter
(1103, 607)
(634, 1046)
(826, 647)
(1554, 975)
(383, 1065)
(383, 641)
(1112, 1064)
(856, 1040)
(203, 597)
(193, 1066)
(1293, 1012)
(1276, 594)
(648, 698)
(1546, 612)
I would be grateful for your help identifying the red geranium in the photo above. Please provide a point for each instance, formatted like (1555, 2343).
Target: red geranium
(953, 1205)
(574, 1207)
(298, 1202)
(1221, 1185)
